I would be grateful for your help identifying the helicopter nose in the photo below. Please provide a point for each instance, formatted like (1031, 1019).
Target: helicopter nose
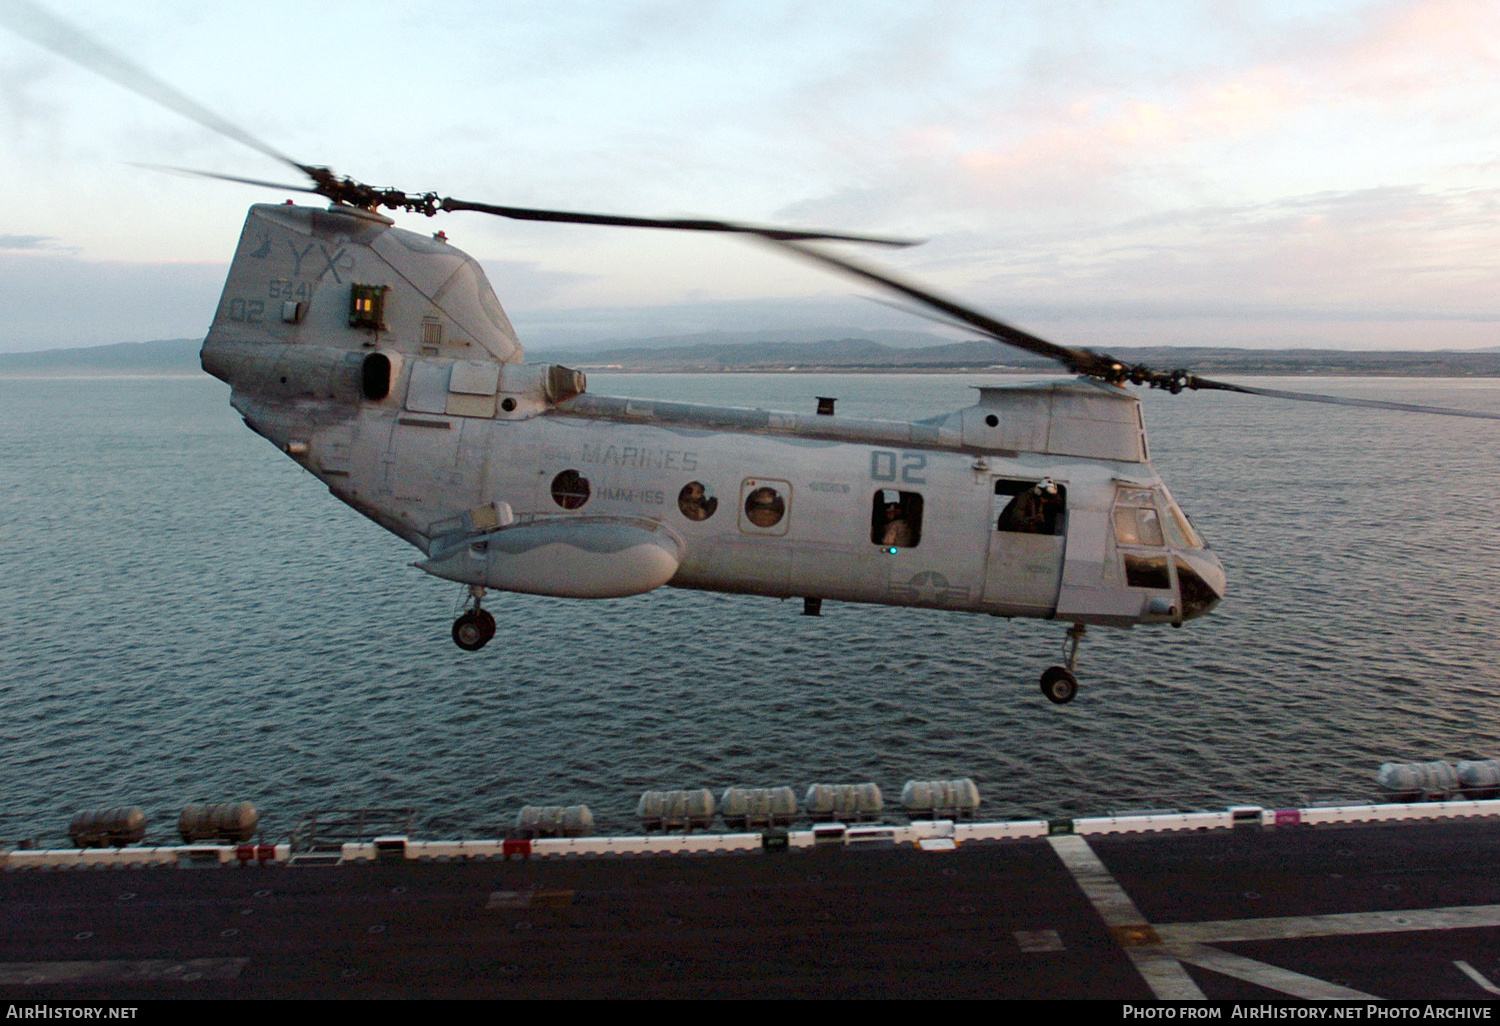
(1202, 581)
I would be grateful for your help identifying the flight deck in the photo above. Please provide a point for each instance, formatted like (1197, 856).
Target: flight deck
(1370, 902)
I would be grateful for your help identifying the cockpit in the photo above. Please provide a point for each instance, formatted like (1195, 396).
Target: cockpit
(1162, 551)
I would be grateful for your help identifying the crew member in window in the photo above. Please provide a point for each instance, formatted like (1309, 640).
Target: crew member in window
(1034, 511)
(897, 532)
(695, 502)
(764, 507)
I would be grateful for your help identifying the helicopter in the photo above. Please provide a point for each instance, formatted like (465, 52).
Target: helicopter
(381, 361)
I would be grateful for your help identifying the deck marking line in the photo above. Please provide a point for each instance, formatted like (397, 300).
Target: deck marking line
(1166, 977)
(1457, 917)
(1477, 976)
(159, 970)
(1273, 977)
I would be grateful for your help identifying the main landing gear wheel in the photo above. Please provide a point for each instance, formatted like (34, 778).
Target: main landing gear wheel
(1059, 684)
(473, 630)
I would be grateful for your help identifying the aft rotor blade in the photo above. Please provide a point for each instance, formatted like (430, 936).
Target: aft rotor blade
(1336, 400)
(678, 224)
(48, 30)
(1080, 360)
(227, 178)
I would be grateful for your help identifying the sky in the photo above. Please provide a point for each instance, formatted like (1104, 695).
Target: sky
(1261, 174)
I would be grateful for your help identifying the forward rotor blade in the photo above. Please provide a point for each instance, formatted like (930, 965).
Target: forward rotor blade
(679, 224)
(912, 311)
(1099, 365)
(1335, 400)
(48, 30)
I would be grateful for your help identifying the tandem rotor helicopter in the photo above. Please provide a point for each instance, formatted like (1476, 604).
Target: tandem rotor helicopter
(380, 360)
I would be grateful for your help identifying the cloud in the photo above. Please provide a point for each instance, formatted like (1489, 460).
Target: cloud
(1375, 94)
(13, 242)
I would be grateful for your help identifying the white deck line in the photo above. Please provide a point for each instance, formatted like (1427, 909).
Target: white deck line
(1262, 974)
(1161, 971)
(1345, 924)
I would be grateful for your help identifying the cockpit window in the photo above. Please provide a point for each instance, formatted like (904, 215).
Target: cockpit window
(1179, 523)
(1138, 526)
(1147, 571)
(1197, 597)
(1149, 517)
(1176, 536)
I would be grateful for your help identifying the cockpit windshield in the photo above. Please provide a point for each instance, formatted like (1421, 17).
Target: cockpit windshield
(1180, 530)
(1148, 517)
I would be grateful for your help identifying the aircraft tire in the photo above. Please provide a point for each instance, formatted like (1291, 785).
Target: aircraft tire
(1059, 684)
(473, 630)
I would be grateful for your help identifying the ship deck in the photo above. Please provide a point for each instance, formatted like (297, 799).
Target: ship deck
(1398, 906)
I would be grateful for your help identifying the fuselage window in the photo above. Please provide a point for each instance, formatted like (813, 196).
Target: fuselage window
(1035, 507)
(764, 506)
(570, 489)
(896, 519)
(697, 501)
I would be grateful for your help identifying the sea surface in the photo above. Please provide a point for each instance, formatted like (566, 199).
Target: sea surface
(186, 615)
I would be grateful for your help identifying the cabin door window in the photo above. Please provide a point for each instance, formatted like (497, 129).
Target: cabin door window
(1027, 532)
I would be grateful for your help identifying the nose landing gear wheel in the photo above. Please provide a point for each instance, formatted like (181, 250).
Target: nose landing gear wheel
(1059, 685)
(473, 630)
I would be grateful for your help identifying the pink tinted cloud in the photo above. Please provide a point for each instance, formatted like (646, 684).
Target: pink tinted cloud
(1398, 55)
(1409, 50)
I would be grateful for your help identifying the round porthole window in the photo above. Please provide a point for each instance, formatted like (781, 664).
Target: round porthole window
(697, 501)
(764, 507)
(570, 489)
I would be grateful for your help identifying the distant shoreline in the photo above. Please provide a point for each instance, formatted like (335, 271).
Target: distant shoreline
(731, 355)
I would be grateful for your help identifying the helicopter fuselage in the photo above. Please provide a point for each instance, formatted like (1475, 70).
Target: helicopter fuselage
(379, 360)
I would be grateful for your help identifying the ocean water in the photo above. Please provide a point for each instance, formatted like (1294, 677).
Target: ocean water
(186, 615)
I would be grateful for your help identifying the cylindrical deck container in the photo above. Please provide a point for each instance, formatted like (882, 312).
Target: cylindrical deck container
(229, 822)
(940, 799)
(746, 808)
(1417, 781)
(676, 810)
(554, 821)
(100, 829)
(844, 803)
(1479, 779)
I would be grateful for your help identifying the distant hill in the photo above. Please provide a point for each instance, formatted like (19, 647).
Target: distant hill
(164, 356)
(844, 354)
(858, 354)
(761, 351)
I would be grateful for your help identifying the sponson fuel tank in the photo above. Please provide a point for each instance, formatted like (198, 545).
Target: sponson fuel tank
(577, 557)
